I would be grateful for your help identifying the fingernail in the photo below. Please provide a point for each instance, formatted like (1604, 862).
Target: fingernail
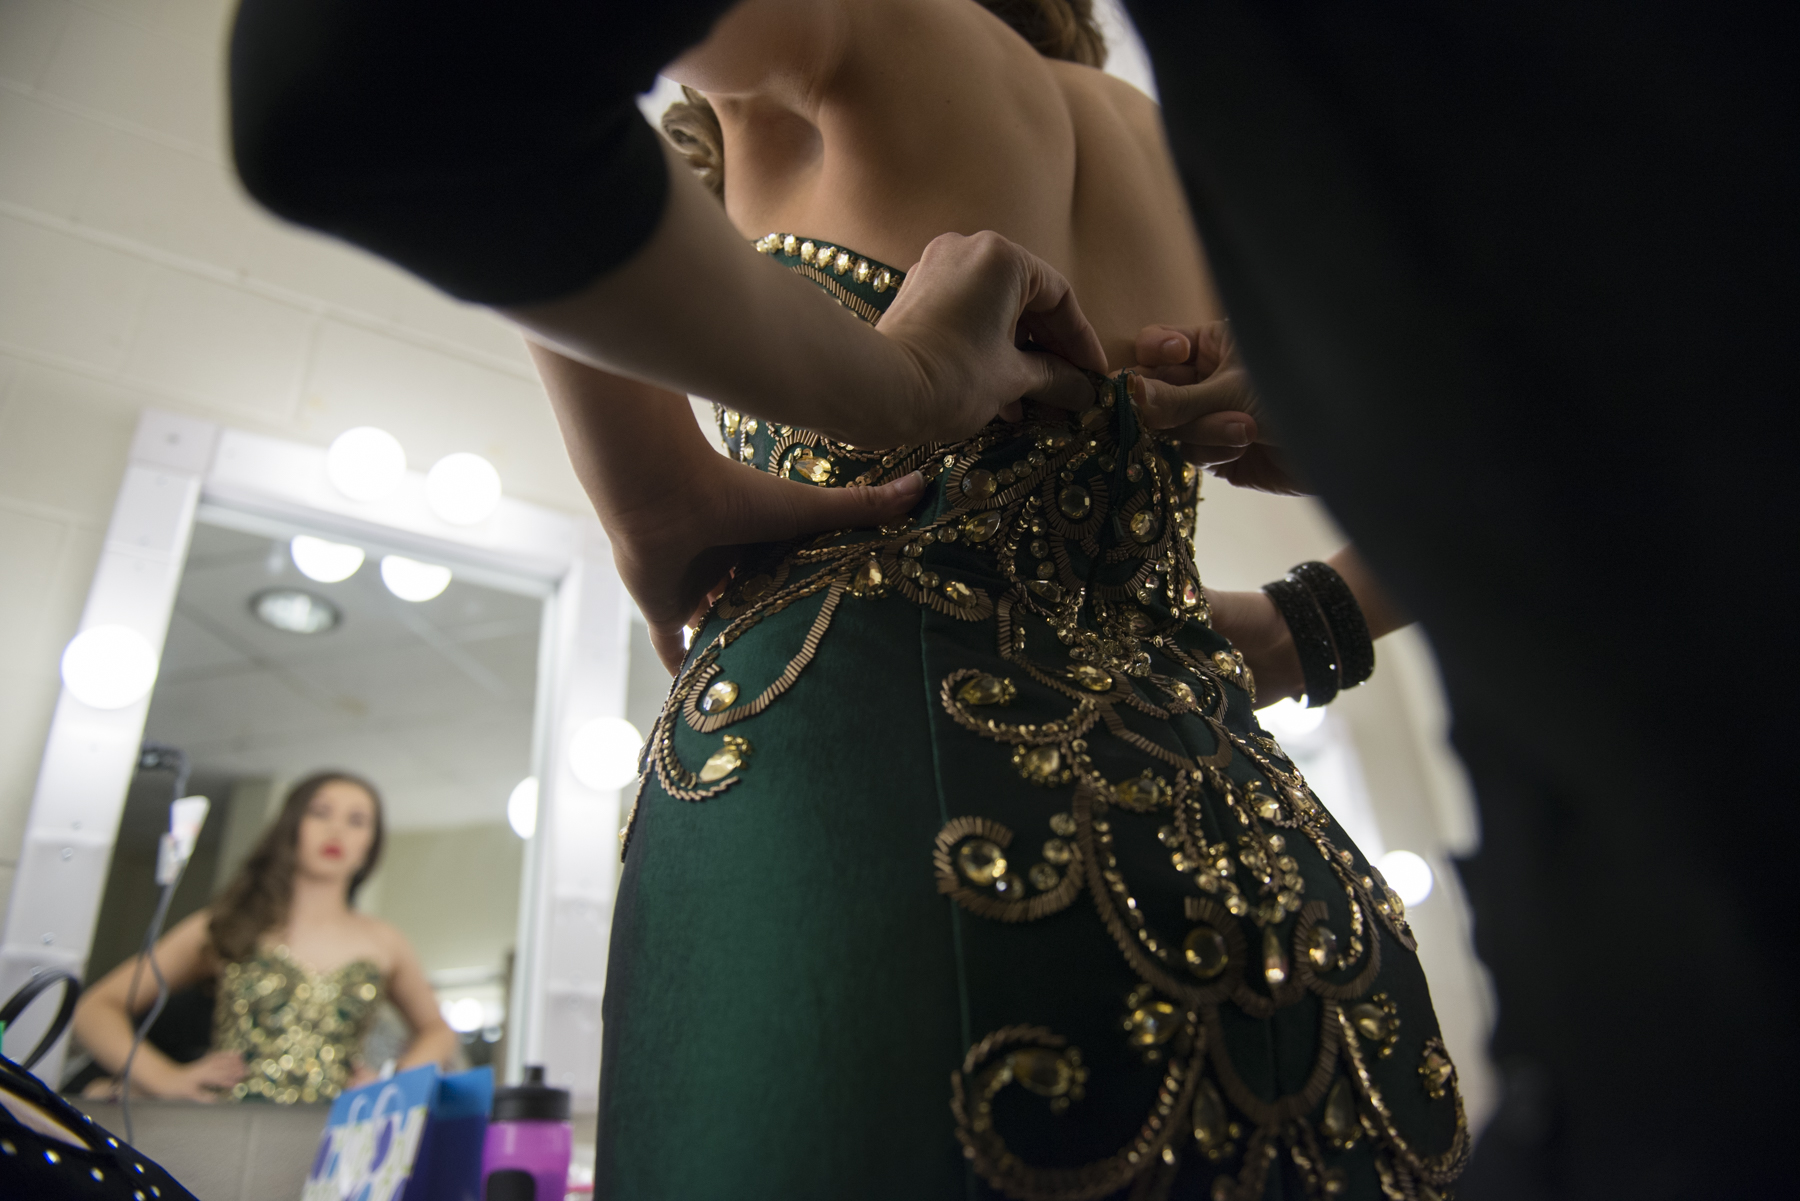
(1237, 434)
(1172, 345)
(910, 485)
(1134, 384)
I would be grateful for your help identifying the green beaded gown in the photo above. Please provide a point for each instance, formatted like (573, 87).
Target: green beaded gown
(962, 869)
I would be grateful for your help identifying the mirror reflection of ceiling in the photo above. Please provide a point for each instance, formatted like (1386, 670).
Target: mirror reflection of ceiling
(432, 702)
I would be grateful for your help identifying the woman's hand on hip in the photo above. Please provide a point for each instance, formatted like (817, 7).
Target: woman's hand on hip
(1192, 383)
(985, 324)
(676, 556)
(204, 1079)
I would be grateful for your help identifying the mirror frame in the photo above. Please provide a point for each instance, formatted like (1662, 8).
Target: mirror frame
(180, 467)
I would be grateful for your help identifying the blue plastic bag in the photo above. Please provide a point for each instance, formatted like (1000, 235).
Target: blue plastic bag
(414, 1137)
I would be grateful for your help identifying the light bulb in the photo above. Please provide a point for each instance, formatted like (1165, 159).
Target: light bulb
(522, 807)
(464, 1014)
(326, 562)
(1288, 719)
(411, 580)
(603, 754)
(463, 489)
(109, 667)
(366, 463)
(1408, 875)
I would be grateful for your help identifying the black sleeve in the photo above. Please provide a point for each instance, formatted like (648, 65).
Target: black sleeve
(495, 150)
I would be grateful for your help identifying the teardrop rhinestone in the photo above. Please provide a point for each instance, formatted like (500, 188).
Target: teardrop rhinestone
(980, 861)
(1275, 964)
(722, 695)
(1144, 526)
(1322, 947)
(1151, 1025)
(1371, 1021)
(1339, 1122)
(1210, 1126)
(1094, 679)
(725, 760)
(981, 526)
(960, 593)
(868, 577)
(812, 468)
(1041, 1070)
(1203, 950)
(985, 690)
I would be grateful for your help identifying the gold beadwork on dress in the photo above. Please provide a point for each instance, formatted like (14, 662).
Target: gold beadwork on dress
(1078, 531)
(1322, 947)
(984, 689)
(1339, 1123)
(1203, 950)
(980, 862)
(300, 1032)
(725, 760)
(1436, 1071)
(814, 468)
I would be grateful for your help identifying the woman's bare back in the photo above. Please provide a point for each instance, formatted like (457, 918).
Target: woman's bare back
(880, 124)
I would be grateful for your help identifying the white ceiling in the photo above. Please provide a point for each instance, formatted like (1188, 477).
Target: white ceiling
(432, 702)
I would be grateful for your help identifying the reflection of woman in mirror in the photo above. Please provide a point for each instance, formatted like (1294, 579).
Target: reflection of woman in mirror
(299, 973)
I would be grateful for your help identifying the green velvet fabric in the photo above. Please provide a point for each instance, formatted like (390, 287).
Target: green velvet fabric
(789, 991)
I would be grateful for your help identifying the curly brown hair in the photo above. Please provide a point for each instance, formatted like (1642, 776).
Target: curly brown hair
(1059, 29)
(256, 899)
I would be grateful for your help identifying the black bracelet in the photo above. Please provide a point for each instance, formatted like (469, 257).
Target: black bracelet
(1312, 639)
(1344, 617)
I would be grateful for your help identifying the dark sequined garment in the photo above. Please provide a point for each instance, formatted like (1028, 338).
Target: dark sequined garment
(963, 869)
(299, 1031)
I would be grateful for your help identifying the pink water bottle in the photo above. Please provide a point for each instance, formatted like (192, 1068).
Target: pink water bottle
(526, 1157)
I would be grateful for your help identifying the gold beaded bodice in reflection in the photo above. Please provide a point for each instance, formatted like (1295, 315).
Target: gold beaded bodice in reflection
(299, 1031)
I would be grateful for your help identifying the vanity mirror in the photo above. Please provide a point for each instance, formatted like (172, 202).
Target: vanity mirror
(289, 626)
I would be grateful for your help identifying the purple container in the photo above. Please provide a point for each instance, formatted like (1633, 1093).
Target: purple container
(526, 1157)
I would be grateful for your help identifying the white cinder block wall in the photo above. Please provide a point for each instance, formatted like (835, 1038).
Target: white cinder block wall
(133, 273)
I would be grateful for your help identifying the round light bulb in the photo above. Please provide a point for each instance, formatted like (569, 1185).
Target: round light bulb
(326, 562)
(366, 463)
(411, 580)
(1407, 874)
(522, 807)
(1289, 720)
(604, 753)
(109, 667)
(464, 1014)
(463, 489)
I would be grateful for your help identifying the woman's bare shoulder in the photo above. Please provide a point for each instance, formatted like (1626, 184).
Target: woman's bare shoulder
(393, 945)
(1092, 91)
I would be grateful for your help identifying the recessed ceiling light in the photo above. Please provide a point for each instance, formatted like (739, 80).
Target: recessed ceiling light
(294, 611)
(366, 463)
(326, 562)
(411, 580)
(463, 489)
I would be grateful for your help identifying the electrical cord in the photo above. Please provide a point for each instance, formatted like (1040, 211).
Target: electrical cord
(154, 756)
